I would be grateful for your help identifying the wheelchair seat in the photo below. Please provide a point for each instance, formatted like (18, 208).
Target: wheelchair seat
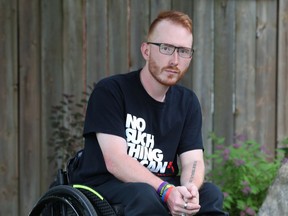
(69, 200)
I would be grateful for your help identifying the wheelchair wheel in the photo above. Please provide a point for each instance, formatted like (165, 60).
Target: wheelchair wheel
(102, 207)
(63, 200)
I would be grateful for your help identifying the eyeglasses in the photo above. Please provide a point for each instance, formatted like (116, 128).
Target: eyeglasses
(168, 49)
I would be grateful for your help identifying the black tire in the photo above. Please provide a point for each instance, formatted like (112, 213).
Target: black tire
(101, 205)
(63, 200)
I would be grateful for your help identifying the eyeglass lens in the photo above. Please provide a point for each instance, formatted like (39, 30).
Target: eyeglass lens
(169, 50)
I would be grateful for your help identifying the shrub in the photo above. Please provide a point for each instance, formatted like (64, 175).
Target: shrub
(67, 121)
(244, 172)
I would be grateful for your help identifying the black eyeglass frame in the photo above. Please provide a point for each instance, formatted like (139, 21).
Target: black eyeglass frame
(160, 44)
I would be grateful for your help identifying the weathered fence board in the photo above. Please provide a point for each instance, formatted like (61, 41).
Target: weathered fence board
(73, 71)
(9, 179)
(96, 40)
(282, 84)
(224, 58)
(51, 77)
(138, 32)
(184, 6)
(266, 73)
(203, 64)
(245, 39)
(157, 6)
(118, 36)
(29, 105)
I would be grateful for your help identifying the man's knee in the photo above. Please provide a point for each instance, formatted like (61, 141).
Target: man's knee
(143, 192)
(211, 200)
(145, 200)
(141, 188)
(212, 191)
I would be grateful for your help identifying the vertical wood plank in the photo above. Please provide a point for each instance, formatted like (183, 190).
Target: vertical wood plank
(138, 32)
(30, 93)
(266, 73)
(245, 89)
(203, 64)
(8, 109)
(183, 6)
(158, 6)
(51, 78)
(97, 40)
(282, 84)
(224, 58)
(73, 62)
(118, 36)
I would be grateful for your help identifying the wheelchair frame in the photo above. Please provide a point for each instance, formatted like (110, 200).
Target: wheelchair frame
(73, 200)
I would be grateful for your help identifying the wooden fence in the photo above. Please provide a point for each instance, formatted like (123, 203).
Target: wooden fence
(50, 47)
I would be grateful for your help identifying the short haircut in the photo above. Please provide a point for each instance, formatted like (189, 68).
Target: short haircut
(174, 17)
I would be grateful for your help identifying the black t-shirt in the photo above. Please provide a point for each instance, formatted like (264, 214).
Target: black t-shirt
(156, 132)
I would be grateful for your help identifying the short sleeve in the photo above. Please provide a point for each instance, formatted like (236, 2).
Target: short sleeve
(105, 111)
(191, 137)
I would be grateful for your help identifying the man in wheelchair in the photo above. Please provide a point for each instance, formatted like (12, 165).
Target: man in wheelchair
(143, 140)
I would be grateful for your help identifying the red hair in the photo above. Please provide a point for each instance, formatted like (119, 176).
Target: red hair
(173, 16)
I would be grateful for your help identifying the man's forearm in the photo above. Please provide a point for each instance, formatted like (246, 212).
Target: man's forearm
(133, 171)
(193, 174)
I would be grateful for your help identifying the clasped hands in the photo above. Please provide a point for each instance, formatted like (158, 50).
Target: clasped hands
(184, 200)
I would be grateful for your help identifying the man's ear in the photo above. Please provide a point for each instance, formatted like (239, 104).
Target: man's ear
(145, 50)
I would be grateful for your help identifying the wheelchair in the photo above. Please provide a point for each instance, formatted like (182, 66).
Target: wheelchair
(64, 199)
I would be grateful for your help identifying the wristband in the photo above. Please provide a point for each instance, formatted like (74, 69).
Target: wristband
(163, 196)
(160, 188)
(166, 194)
(165, 188)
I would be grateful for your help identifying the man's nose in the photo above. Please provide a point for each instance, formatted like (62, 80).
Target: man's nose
(175, 58)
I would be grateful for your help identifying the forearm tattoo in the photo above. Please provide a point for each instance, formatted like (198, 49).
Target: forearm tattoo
(193, 171)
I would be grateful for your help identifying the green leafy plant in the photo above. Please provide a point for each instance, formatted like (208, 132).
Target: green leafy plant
(284, 147)
(285, 141)
(244, 172)
(67, 121)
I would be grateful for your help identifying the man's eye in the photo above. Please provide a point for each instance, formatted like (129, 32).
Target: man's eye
(184, 51)
(168, 48)
(164, 47)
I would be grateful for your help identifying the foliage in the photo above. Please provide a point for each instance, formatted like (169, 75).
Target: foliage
(284, 147)
(285, 141)
(244, 172)
(67, 121)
